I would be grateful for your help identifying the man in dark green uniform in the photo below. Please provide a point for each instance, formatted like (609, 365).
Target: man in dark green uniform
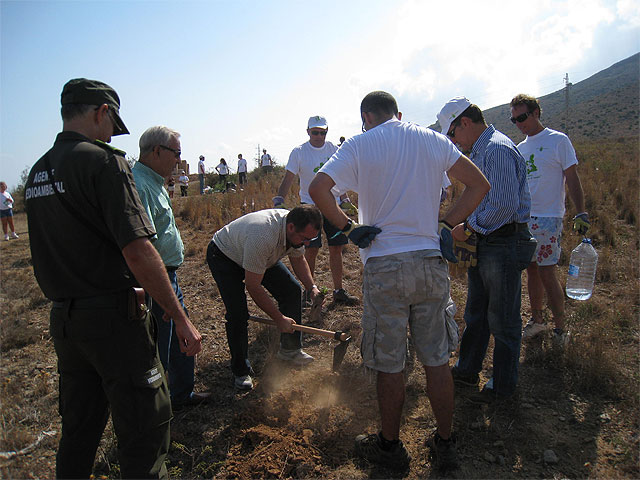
(90, 245)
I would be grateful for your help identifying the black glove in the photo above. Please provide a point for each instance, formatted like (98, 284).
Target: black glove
(466, 252)
(361, 235)
(446, 242)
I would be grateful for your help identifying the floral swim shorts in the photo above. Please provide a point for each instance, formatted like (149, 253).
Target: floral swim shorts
(547, 231)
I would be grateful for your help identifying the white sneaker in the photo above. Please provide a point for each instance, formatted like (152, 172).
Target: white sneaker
(14, 235)
(533, 329)
(244, 382)
(297, 357)
(6, 237)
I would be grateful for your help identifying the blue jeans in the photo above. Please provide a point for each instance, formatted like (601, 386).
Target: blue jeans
(178, 365)
(201, 183)
(493, 308)
(278, 280)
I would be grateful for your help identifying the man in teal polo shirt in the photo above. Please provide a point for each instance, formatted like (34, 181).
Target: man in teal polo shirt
(159, 153)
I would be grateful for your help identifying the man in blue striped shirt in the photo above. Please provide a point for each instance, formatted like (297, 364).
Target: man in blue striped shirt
(504, 248)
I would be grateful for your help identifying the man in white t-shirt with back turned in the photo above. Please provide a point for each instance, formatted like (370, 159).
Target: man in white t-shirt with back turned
(550, 160)
(396, 168)
(304, 161)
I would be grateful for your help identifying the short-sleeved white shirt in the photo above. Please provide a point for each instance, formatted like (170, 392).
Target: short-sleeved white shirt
(242, 165)
(547, 155)
(265, 160)
(201, 167)
(397, 170)
(305, 160)
(257, 240)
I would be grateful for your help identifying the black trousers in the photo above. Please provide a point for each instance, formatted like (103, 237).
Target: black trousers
(108, 361)
(278, 280)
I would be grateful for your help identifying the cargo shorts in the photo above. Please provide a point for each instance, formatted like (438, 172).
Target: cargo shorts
(399, 290)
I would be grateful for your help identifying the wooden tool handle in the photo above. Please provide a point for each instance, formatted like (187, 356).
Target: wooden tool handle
(303, 328)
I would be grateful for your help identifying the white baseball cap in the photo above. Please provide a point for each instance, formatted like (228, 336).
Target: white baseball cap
(317, 122)
(452, 110)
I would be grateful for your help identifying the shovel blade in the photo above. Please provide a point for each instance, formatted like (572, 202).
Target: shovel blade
(339, 352)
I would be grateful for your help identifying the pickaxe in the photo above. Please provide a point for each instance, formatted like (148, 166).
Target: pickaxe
(338, 351)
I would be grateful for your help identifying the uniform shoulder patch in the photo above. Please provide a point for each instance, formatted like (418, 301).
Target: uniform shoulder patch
(109, 148)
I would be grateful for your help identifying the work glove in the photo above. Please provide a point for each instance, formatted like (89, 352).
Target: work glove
(361, 235)
(446, 241)
(581, 223)
(278, 201)
(466, 252)
(349, 208)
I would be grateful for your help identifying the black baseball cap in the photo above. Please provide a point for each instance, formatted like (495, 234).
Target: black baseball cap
(93, 92)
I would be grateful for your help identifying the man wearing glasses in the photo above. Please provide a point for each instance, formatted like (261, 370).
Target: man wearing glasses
(550, 160)
(159, 153)
(247, 252)
(305, 160)
(90, 247)
(504, 248)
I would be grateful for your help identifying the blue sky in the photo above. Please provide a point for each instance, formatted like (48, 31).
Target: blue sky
(232, 75)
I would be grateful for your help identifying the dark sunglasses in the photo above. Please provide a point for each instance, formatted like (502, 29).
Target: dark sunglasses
(452, 133)
(520, 118)
(177, 153)
(321, 132)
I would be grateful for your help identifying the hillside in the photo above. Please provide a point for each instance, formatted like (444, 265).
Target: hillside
(605, 105)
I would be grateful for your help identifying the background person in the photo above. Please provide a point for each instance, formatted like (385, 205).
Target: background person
(183, 181)
(159, 153)
(265, 162)
(550, 160)
(6, 212)
(304, 161)
(201, 174)
(504, 248)
(242, 170)
(89, 237)
(247, 252)
(223, 172)
(397, 170)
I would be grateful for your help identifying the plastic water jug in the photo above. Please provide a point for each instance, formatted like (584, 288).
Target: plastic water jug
(582, 271)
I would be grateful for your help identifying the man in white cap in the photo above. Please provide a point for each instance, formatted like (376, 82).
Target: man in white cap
(305, 160)
(550, 160)
(504, 248)
(201, 174)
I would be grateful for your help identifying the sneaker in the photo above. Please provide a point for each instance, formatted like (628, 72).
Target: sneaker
(533, 329)
(340, 296)
(6, 237)
(560, 337)
(369, 448)
(444, 451)
(297, 357)
(14, 235)
(245, 382)
(463, 379)
(195, 398)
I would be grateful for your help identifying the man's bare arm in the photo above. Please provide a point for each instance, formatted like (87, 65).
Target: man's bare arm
(476, 187)
(146, 265)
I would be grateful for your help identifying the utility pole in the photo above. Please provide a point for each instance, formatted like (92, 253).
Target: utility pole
(567, 84)
(258, 158)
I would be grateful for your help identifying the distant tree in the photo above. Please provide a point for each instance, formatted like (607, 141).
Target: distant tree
(18, 192)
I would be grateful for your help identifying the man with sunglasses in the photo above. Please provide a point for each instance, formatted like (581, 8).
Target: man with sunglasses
(504, 248)
(304, 161)
(397, 169)
(159, 154)
(551, 160)
(247, 252)
(90, 245)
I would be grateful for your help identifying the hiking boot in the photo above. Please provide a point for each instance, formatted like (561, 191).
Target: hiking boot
(244, 382)
(533, 329)
(14, 235)
(560, 338)
(444, 451)
(369, 447)
(340, 296)
(463, 379)
(297, 357)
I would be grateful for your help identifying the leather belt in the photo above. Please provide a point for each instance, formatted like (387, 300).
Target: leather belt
(508, 229)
